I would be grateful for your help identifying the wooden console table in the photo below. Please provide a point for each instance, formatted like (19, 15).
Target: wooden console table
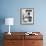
(20, 39)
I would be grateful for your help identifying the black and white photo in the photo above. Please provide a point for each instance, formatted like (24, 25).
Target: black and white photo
(27, 15)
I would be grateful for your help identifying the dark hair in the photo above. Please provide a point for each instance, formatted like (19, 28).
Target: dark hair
(28, 10)
(28, 13)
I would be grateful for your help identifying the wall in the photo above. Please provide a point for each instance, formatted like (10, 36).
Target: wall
(11, 8)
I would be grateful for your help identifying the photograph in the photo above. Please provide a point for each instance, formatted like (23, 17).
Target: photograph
(27, 15)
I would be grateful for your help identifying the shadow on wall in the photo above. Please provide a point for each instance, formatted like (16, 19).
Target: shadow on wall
(1, 39)
(2, 21)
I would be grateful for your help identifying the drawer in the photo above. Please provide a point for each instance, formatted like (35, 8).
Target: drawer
(37, 43)
(9, 43)
(33, 43)
(33, 37)
(16, 37)
(13, 43)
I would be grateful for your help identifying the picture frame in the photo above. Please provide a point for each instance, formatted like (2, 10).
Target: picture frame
(27, 16)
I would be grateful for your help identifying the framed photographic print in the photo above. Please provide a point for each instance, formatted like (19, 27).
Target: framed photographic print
(27, 15)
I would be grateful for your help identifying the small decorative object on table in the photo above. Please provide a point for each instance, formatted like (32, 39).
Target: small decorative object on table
(30, 33)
